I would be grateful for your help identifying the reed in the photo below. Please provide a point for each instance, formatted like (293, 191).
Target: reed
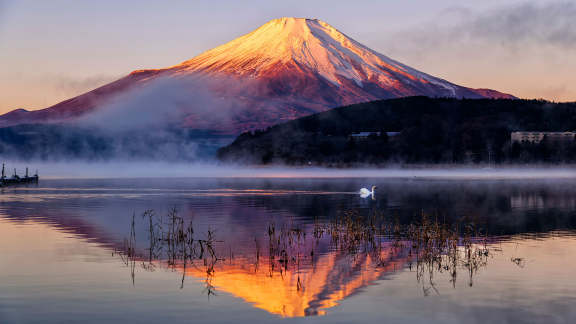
(171, 240)
(431, 246)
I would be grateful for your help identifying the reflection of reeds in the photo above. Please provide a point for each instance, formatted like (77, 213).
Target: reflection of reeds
(173, 241)
(430, 246)
(128, 252)
(437, 247)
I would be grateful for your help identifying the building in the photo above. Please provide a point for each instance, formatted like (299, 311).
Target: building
(537, 137)
(362, 136)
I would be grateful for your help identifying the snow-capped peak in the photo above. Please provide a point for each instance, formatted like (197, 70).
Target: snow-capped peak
(287, 68)
(306, 42)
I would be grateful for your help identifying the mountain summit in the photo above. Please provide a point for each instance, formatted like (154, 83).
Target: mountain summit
(287, 68)
(302, 44)
(311, 46)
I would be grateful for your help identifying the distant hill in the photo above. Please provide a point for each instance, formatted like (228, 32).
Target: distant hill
(413, 130)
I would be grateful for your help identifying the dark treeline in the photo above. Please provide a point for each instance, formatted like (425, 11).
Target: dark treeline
(432, 130)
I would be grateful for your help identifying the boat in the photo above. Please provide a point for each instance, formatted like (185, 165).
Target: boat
(16, 179)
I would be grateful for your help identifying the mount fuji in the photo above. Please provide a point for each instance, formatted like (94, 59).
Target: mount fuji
(287, 68)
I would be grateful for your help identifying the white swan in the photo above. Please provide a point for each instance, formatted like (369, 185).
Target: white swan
(365, 193)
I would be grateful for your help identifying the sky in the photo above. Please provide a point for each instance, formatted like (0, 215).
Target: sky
(53, 50)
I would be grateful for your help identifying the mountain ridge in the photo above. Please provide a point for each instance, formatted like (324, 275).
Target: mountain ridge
(285, 69)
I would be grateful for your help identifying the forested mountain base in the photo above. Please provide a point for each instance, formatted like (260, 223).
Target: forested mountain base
(431, 130)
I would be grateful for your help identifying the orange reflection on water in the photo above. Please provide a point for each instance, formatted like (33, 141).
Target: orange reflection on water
(303, 290)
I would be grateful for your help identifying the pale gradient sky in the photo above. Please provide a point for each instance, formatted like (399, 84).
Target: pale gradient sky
(53, 50)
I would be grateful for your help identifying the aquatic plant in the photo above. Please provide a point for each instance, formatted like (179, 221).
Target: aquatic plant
(171, 240)
(428, 246)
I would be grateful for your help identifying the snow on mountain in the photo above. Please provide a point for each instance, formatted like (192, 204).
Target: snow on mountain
(287, 68)
(308, 42)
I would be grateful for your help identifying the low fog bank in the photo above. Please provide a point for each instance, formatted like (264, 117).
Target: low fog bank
(178, 118)
(59, 170)
(169, 101)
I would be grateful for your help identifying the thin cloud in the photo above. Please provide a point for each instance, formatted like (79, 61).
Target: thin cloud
(512, 28)
(551, 24)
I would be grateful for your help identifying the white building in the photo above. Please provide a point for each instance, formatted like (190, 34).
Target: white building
(537, 137)
(362, 136)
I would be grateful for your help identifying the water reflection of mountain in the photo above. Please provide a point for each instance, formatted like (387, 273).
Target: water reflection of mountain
(317, 283)
(307, 290)
(240, 211)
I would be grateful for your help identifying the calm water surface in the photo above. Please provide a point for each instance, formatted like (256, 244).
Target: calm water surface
(61, 259)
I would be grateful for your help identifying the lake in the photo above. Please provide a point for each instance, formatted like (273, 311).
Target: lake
(302, 250)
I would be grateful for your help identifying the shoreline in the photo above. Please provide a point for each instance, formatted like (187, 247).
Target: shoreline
(107, 170)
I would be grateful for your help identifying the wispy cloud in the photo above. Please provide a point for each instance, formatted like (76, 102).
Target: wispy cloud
(527, 48)
(549, 24)
(513, 27)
